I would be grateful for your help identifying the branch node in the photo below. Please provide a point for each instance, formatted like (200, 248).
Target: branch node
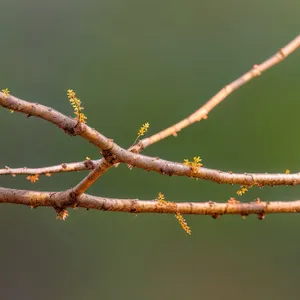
(73, 130)
(261, 216)
(282, 53)
(109, 156)
(216, 216)
(256, 71)
(133, 208)
(89, 164)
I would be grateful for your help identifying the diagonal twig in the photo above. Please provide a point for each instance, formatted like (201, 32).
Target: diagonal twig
(203, 111)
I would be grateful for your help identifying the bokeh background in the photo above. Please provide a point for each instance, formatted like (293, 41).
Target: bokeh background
(132, 62)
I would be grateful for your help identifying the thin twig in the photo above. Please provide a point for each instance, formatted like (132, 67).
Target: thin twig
(203, 111)
(86, 182)
(64, 167)
(163, 167)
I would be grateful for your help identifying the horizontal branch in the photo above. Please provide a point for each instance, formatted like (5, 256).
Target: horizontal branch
(35, 199)
(161, 166)
(179, 169)
(64, 167)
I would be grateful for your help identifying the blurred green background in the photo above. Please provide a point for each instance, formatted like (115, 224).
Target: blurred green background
(132, 62)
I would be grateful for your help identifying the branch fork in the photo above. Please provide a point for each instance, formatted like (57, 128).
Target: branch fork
(113, 154)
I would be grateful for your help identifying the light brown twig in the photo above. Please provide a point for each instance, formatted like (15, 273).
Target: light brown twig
(203, 111)
(64, 167)
(36, 199)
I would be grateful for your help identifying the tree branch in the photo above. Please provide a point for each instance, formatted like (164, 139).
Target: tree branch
(164, 167)
(64, 167)
(197, 116)
(36, 199)
(203, 111)
(114, 154)
(69, 125)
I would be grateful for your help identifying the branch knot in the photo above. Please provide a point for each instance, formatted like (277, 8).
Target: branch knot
(109, 156)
